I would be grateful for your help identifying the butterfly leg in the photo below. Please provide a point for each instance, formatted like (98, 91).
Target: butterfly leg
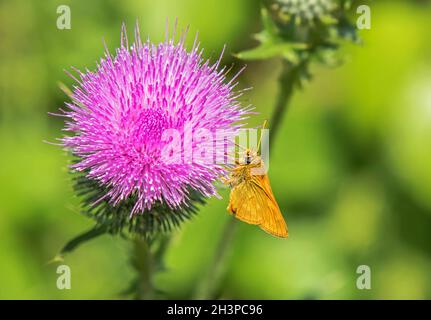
(227, 181)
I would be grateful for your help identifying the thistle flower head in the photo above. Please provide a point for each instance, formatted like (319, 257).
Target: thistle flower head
(120, 111)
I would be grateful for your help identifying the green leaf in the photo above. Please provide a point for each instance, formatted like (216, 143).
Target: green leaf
(272, 44)
(80, 239)
(269, 27)
(270, 50)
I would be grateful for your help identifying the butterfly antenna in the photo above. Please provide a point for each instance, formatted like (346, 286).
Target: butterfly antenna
(238, 145)
(265, 123)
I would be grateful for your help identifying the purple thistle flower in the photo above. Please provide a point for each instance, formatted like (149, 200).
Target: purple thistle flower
(119, 112)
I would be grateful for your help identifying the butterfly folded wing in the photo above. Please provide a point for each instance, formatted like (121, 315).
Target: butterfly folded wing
(272, 220)
(252, 201)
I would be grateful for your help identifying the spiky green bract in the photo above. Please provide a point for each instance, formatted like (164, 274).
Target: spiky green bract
(118, 220)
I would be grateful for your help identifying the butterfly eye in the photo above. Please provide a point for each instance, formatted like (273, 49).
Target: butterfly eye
(247, 160)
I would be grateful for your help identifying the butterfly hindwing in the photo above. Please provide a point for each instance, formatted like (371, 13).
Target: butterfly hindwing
(252, 201)
(272, 219)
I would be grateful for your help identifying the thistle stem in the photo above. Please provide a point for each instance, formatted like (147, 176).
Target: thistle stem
(147, 260)
(208, 289)
(287, 81)
(143, 262)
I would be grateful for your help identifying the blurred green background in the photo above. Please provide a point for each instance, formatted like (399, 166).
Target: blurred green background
(351, 167)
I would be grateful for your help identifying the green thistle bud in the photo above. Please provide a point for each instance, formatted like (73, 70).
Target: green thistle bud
(302, 12)
(302, 31)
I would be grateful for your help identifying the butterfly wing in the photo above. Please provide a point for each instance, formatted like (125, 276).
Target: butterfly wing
(247, 202)
(252, 201)
(272, 219)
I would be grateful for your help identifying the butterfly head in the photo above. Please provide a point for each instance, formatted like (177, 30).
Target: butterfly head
(251, 157)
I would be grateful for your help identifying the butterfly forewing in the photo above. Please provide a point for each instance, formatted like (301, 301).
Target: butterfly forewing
(272, 221)
(246, 202)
